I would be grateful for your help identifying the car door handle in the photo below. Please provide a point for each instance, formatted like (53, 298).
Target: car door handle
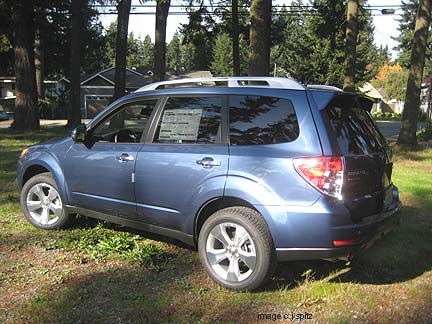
(125, 157)
(208, 162)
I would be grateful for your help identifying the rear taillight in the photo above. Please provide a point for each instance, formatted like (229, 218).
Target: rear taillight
(324, 173)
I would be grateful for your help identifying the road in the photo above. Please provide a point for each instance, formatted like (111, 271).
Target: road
(390, 128)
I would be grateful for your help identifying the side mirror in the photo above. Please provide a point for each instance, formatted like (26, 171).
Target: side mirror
(79, 134)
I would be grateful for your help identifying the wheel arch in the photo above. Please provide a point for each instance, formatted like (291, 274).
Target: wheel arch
(211, 206)
(41, 166)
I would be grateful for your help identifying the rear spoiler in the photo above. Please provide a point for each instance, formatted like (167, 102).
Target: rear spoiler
(323, 98)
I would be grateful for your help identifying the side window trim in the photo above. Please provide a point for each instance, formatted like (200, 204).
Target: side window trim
(156, 115)
(124, 105)
(224, 134)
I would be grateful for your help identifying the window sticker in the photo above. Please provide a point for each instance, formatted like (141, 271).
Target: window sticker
(180, 125)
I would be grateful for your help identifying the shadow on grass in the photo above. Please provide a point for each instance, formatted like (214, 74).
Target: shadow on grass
(418, 154)
(180, 292)
(122, 295)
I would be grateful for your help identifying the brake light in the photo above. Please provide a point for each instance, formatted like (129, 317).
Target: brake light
(343, 242)
(324, 173)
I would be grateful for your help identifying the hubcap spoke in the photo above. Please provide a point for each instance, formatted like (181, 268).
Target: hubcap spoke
(216, 256)
(241, 236)
(220, 233)
(248, 258)
(233, 270)
(56, 209)
(38, 191)
(33, 205)
(44, 218)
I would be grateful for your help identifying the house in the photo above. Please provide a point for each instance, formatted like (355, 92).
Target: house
(7, 93)
(96, 89)
(53, 90)
(381, 103)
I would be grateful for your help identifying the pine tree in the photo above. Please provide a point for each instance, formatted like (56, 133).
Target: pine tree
(198, 35)
(406, 31)
(259, 37)
(162, 8)
(407, 133)
(74, 108)
(222, 64)
(26, 115)
(121, 48)
(406, 27)
(309, 44)
(294, 44)
(351, 45)
(147, 52)
(174, 54)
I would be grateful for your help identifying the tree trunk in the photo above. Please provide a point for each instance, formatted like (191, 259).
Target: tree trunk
(40, 63)
(162, 8)
(74, 108)
(235, 38)
(407, 133)
(121, 48)
(26, 114)
(259, 56)
(351, 44)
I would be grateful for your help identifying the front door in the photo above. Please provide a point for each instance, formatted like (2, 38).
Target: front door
(100, 177)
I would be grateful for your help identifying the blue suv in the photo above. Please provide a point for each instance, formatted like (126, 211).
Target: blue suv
(250, 170)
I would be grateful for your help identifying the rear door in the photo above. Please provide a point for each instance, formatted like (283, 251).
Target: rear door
(184, 162)
(368, 166)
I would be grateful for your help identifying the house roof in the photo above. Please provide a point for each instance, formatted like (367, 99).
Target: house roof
(371, 91)
(191, 74)
(134, 79)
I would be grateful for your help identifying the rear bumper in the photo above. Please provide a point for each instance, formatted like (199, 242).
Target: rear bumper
(365, 234)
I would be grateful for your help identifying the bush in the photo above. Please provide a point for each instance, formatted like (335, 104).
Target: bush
(424, 135)
(386, 115)
(101, 242)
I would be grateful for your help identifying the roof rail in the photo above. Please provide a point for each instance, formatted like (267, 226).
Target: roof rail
(323, 87)
(231, 82)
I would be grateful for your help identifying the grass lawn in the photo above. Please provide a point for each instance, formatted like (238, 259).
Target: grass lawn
(101, 273)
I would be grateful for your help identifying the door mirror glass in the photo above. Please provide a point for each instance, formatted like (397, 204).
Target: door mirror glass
(79, 134)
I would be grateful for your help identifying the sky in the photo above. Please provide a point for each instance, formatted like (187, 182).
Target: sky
(142, 25)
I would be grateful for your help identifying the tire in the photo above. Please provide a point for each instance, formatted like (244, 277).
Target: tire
(42, 204)
(236, 248)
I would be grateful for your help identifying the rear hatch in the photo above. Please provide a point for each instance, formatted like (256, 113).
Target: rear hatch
(353, 134)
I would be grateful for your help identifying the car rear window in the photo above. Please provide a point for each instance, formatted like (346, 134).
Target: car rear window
(353, 128)
(261, 120)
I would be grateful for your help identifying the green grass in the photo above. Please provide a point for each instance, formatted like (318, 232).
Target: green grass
(101, 273)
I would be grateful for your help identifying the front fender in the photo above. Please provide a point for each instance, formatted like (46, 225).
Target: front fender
(48, 161)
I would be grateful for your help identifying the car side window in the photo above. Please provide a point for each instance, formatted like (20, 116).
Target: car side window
(261, 120)
(127, 124)
(190, 120)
